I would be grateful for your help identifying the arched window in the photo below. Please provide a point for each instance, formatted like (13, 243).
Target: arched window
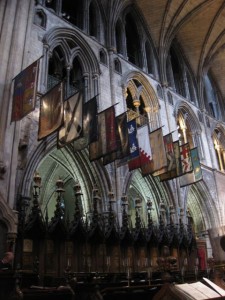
(200, 117)
(66, 60)
(103, 56)
(210, 98)
(149, 58)
(93, 20)
(40, 18)
(189, 129)
(170, 98)
(191, 88)
(159, 91)
(142, 103)
(132, 41)
(177, 73)
(58, 72)
(52, 5)
(56, 67)
(184, 130)
(119, 38)
(117, 66)
(135, 104)
(72, 11)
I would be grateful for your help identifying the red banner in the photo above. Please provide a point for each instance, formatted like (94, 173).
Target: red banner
(107, 138)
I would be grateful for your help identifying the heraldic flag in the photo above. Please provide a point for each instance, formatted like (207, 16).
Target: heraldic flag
(144, 160)
(196, 174)
(170, 171)
(186, 163)
(158, 152)
(24, 95)
(107, 138)
(73, 119)
(123, 147)
(89, 132)
(145, 151)
(134, 158)
(51, 111)
(177, 171)
(122, 141)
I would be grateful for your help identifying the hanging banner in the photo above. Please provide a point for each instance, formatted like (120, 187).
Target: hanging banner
(89, 132)
(158, 152)
(178, 169)
(122, 140)
(196, 174)
(134, 158)
(107, 139)
(186, 163)
(73, 120)
(25, 88)
(145, 150)
(51, 111)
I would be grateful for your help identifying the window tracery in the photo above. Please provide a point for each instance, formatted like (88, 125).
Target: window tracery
(179, 75)
(64, 60)
(189, 129)
(140, 104)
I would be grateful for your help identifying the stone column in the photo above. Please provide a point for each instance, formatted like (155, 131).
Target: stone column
(184, 131)
(6, 74)
(85, 77)
(223, 156)
(14, 58)
(218, 150)
(199, 145)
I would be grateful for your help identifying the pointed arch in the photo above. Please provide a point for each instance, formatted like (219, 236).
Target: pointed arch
(189, 128)
(73, 167)
(189, 115)
(141, 99)
(65, 36)
(148, 90)
(148, 188)
(201, 207)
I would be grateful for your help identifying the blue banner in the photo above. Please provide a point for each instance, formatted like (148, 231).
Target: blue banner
(132, 137)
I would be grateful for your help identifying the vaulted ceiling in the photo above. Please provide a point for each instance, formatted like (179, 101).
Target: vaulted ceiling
(198, 25)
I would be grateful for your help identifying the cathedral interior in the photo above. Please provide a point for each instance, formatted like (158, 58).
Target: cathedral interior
(80, 222)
